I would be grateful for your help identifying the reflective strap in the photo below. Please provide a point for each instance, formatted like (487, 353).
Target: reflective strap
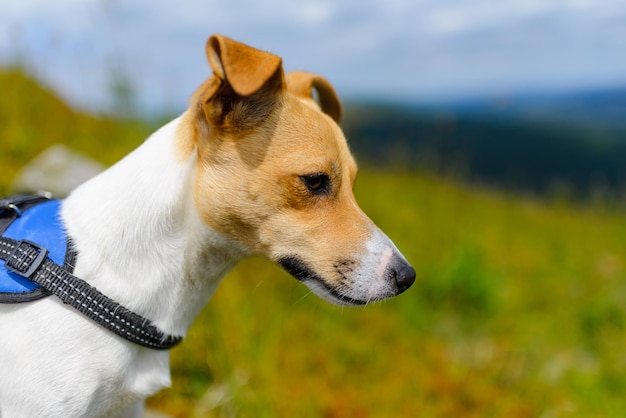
(25, 258)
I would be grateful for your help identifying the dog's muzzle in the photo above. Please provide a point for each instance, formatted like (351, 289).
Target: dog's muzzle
(396, 278)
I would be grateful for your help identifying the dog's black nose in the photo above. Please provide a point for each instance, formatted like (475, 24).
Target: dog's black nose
(404, 275)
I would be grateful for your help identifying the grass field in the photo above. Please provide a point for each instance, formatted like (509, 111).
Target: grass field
(518, 309)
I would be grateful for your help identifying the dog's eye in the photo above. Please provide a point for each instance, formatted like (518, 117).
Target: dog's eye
(318, 183)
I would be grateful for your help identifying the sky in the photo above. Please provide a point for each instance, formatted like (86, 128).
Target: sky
(417, 51)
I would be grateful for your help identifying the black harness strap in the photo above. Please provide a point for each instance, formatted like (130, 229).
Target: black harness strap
(29, 260)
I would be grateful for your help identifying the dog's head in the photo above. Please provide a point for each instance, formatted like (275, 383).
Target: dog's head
(275, 174)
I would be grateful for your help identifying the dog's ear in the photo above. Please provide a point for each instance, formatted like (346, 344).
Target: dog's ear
(244, 84)
(245, 68)
(302, 85)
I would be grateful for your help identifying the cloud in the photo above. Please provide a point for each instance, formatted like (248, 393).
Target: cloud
(408, 49)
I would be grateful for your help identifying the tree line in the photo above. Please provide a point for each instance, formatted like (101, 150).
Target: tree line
(509, 152)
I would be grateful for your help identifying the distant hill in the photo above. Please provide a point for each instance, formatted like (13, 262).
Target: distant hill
(604, 107)
(575, 143)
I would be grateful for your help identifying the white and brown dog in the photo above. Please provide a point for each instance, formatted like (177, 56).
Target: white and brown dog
(254, 166)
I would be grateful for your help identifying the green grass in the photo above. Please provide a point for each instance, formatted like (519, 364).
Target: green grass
(518, 309)
(33, 118)
(516, 312)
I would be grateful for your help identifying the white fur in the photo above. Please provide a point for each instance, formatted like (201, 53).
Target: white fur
(140, 241)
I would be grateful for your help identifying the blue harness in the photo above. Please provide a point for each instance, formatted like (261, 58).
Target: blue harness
(41, 224)
(39, 261)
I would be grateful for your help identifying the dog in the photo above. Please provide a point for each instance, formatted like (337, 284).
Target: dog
(257, 165)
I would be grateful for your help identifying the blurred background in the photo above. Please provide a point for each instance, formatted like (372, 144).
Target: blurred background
(491, 139)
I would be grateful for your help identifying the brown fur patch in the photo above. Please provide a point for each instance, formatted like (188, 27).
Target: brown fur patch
(249, 187)
(253, 151)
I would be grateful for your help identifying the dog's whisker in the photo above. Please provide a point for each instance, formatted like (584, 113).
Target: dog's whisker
(304, 296)
(259, 283)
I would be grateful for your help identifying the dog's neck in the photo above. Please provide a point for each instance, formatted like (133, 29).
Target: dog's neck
(139, 238)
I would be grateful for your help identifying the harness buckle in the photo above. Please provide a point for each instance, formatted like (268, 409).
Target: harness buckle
(26, 258)
(13, 207)
(13, 203)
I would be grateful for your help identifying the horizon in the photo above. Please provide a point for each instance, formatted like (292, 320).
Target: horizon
(402, 51)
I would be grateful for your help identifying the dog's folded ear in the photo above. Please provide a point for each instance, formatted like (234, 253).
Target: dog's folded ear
(245, 68)
(303, 84)
(244, 78)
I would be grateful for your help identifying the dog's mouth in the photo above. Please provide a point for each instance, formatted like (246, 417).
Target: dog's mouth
(301, 271)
